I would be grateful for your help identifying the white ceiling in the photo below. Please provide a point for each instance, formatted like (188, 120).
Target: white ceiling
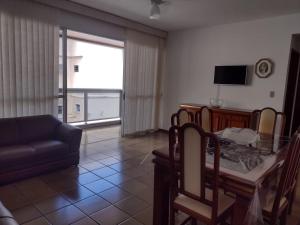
(182, 14)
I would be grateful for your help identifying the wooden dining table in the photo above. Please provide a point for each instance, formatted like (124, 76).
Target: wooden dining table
(242, 185)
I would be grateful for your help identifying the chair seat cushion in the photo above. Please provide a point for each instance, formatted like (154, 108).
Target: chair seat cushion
(225, 202)
(269, 205)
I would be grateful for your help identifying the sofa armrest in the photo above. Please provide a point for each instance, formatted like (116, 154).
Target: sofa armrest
(70, 135)
(6, 217)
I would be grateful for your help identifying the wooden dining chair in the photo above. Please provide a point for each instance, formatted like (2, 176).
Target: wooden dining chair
(194, 194)
(265, 120)
(204, 119)
(181, 117)
(278, 208)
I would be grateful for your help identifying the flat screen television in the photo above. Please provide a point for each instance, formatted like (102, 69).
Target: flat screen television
(235, 75)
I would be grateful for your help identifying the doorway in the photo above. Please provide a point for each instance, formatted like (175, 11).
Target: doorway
(292, 95)
(91, 79)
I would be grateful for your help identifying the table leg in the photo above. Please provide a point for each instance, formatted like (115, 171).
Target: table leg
(161, 195)
(240, 210)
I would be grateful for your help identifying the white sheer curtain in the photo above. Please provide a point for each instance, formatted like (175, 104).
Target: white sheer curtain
(144, 62)
(28, 66)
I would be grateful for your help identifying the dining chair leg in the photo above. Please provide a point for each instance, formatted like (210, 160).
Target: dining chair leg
(172, 216)
(291, 201)
(283, 217)
(194, 221)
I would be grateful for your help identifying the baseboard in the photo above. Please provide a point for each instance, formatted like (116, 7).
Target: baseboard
(163, 131)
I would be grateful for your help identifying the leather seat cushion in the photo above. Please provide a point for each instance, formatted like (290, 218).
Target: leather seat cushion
(269, 205)
(19, 156)
(49, 148)
(225, 202)
(15, 154)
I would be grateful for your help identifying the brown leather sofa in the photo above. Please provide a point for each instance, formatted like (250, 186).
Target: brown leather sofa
(5, 216)
(36, 144)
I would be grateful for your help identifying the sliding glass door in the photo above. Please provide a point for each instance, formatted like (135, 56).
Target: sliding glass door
(91, 79)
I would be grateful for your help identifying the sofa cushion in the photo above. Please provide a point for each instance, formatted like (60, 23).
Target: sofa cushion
(8, 131)
(15, 154)
(36, 128)
(49, 148)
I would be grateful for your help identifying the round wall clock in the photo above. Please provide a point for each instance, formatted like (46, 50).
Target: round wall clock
(264, 68)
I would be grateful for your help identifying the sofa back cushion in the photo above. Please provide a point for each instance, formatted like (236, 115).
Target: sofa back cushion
(8, 132)
(34, 128)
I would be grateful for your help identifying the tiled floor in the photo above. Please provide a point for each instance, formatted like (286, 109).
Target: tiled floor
(112, 185)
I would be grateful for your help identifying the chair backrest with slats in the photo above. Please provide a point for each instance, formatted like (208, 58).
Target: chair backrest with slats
(289, 173)
(173, 140)
(266, 120)
(181, 117)
(203, 118)
(193, 142)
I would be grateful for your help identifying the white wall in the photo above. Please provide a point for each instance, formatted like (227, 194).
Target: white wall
(192, 55)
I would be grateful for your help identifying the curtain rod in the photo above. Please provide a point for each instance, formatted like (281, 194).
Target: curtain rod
(101, 15)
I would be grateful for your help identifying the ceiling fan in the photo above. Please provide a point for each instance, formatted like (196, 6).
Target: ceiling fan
(155, 10)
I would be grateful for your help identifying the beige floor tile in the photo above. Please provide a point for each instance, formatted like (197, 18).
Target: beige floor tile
(38, 221)
(145, 216)
(131, 222)
(85, 221)
(134, 172)
(35, 189)
(74, 171)
(110, 216)
(121, 166)
(132, 205)
(109, 161)
(26, 214)
(114, 195)
(76, 194)
(133, 186)
(104, 172)
(87, 178)
(99, 186)
(63, 184)
(12, 198)
(51, 204)
(92, 204)
(118, 178)
(66, 215)
(146, 194)
(92, 165)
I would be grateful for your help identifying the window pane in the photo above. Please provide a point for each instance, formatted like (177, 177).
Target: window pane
(75, 107)
(103, 106)
(94, 66)
(60, 110)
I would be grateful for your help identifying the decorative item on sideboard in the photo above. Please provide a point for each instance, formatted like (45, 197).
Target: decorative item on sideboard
(264, 68)
(216, 102)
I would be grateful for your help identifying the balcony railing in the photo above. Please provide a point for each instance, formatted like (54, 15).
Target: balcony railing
(92, 105)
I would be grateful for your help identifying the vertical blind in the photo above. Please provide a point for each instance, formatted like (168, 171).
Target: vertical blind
(28, 66)
(144, 62)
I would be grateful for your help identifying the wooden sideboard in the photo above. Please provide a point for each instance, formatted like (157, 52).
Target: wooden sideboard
(224, 117)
